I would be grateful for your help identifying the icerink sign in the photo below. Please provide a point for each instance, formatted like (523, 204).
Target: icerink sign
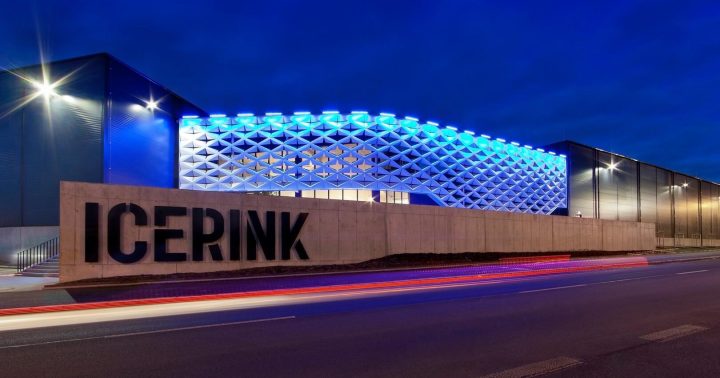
(255, 234)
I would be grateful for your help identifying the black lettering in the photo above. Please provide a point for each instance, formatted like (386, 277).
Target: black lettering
(92, 232)
(265, 237)
(115, 233)
(290, 235)
(200, 238)
(235, 234)
(162, 236)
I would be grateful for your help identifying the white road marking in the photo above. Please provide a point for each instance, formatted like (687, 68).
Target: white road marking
(199, 327)
(673, 333)
(75, 317)
(632, 279)
(552, 288)
(623, 280)
(693, 272)
(537, 368)
(151, 332)
(612, 281)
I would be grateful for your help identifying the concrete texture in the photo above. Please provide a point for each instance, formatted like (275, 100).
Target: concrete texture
(335, 232)
(16, 239)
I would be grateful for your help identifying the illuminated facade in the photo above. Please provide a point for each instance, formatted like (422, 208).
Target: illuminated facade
(361, 156)
(111, 124)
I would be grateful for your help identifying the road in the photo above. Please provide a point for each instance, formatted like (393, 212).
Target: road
(658, 320)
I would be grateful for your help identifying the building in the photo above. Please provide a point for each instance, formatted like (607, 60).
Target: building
(95, 119)
(605, 185)
(91, 119)
(362, 157)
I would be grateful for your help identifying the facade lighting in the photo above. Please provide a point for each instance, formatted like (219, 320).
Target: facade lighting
(45, 89)
(151, 105)
(433, 152)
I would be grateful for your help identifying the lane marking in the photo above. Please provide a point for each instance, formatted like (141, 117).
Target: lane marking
(552, 288)
(693, 272)
(63, 318)
(199, 327)
(322, 289)
(630, 279)
(537, 368)
(673, 333)
(611, 281)
(150, 332)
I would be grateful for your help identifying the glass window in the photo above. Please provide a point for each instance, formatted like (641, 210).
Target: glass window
(365, 195)
(350, 195)
(323, 194)
(336, 194)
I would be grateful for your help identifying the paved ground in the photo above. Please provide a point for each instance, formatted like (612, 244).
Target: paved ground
(659, 320)
(119, 292)
(13, 283)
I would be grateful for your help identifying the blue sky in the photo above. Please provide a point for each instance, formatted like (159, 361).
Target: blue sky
(641, 78)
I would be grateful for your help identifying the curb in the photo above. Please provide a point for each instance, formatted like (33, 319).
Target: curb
(670, 261)
(504, 261)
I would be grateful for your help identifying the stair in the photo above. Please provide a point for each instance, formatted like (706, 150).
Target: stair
(47, 268)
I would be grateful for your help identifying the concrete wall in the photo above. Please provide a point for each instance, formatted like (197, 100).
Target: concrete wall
(16, 239)
(335, 232)
(687, 242)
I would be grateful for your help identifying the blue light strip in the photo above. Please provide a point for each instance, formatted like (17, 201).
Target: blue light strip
(361, 151)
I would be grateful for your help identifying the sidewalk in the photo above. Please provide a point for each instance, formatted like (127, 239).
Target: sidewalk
(11, 282)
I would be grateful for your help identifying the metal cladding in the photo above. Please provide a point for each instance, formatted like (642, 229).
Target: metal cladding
(329, 151)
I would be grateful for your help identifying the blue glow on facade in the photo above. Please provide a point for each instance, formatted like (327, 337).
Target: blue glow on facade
(330, 151)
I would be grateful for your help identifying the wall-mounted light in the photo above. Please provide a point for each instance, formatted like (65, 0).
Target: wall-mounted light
(151, 105)
(612, 166)
(685, 185)
(45, 89)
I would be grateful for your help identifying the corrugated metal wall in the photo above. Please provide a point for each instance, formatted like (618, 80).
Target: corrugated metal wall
(10, 206)
(96, 129)
(140, 145)
(609, 186)
(48, 140)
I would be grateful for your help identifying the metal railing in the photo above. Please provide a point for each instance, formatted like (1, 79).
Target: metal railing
(39, 253)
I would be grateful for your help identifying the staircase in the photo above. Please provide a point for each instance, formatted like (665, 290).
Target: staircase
(42, 260)
(47, 268)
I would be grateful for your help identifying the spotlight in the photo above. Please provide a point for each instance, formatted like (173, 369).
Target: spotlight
(152, 105)
(685, 185)
(612, 166)
(45, 89)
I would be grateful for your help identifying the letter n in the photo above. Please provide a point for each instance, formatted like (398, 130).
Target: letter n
(256, 234)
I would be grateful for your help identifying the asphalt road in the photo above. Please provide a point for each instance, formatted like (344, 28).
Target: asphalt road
(660, 320)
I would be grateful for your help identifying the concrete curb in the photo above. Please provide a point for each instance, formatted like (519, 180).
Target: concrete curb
(358, 271)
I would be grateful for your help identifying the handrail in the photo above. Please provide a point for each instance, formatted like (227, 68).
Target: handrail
(37, 254)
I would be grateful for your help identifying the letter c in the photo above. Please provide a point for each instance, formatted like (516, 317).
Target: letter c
(114, 230)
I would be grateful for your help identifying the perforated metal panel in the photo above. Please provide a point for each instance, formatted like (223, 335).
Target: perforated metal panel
(360, 151)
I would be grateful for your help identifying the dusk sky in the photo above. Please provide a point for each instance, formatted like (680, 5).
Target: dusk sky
(641, 78)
